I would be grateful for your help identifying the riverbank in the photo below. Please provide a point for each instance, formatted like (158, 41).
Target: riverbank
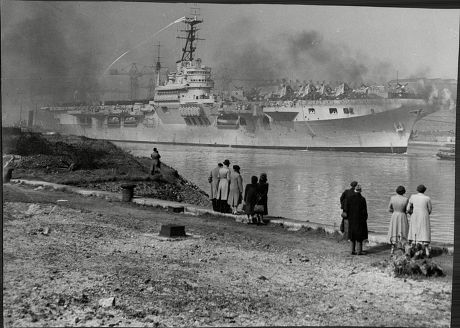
(66, 256)
(374, 239)
(93, 164)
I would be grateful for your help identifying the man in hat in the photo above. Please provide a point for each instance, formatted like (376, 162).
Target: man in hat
(347, 193)
(356, 208)
(214, 181)
(155, 161)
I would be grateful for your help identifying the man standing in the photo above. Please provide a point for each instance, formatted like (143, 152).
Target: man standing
(214, 181)
(155, 161)
(347, 193)
(356, 208)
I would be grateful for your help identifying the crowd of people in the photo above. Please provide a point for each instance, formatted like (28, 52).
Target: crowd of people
(227, 196)
(227, 192)
(418, 207)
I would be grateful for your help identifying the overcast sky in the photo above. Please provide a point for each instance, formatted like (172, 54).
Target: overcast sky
(80, 39)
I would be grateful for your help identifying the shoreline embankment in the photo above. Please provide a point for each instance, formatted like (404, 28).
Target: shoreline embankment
(374, 239)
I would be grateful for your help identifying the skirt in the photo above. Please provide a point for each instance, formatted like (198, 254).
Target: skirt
(399, 227)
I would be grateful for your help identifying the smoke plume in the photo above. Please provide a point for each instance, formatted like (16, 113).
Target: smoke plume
(244, 61)
(304, 55)
(309, 54)
(40, 60)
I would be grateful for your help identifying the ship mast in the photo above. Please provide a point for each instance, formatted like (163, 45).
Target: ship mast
(158, 67)
(191, 29)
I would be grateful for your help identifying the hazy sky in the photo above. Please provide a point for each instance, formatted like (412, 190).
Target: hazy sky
(68, 46)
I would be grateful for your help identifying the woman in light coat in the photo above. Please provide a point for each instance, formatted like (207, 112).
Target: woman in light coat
(236, 189)
(399, 226)
(214, 181)
(222, 190)
(419, 226)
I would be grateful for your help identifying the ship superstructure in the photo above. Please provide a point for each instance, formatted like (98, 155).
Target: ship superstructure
(185, 110)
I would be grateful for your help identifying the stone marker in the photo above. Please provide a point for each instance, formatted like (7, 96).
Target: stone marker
(172, 230)
(107, 302)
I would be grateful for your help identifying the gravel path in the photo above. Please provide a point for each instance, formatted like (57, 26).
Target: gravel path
(64, 260)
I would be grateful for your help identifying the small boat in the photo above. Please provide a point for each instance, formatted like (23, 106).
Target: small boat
(448, 153)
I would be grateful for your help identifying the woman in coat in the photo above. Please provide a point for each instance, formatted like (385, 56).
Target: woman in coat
(222, 189)
(356, 208)
(399, 226)
(262, 189)
(251, 197)
(236, 189)
(419, 227)
(213, 179)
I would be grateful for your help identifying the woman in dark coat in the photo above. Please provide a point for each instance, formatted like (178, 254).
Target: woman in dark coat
(262, 189)
(251, 197)
(356, 208)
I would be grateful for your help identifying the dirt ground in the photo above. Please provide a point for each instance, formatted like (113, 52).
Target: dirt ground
(61, 258)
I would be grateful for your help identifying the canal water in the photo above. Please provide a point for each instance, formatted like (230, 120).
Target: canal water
(306, 185)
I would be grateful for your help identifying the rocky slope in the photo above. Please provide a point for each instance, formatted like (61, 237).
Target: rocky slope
(94, 164)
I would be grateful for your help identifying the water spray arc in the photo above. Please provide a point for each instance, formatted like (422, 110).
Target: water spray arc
(145, 41)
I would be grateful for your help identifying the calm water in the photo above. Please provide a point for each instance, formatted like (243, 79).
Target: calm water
(306, 185)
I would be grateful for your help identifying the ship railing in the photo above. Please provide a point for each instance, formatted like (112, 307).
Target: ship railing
(281, 105)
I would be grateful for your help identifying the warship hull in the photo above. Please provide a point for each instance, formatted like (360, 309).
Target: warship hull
(376, 132)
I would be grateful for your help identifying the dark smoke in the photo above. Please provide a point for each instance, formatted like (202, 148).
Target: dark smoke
(302, 43)
(244, 60)
(248, 65)
(40, 60)
(313, 56)
(295, 56)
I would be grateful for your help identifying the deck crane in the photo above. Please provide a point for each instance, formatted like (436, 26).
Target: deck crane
(154, 82)
(134, 74)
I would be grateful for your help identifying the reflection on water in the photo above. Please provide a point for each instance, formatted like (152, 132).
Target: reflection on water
(306, 185)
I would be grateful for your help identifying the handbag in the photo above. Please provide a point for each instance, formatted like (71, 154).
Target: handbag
(259, 208)
(344, 215)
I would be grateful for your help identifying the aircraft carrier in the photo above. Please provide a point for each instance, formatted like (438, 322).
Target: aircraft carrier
(309, 116)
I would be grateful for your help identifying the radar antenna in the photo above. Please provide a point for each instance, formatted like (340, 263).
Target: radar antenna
(191, 36)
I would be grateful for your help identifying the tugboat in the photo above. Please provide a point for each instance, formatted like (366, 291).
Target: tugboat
(447, 153)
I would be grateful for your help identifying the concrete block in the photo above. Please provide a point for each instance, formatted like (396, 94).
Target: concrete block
(172, 230)
(176, 209)
(107, 302)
